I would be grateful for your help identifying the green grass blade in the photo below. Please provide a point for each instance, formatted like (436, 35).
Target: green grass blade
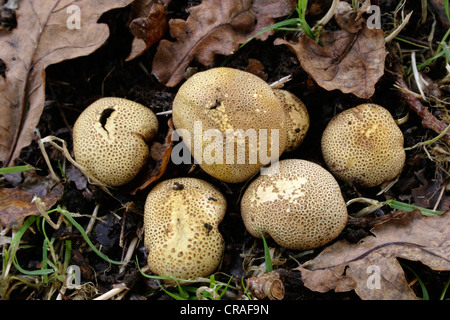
(425, 295)
(245, 289)
(398, 205)
(446, 7)
(16, 169)
(14, 246)
(267, 259)
(289, 22)
(86, 237)
(39, 272)
(445, 290)
(226, 288)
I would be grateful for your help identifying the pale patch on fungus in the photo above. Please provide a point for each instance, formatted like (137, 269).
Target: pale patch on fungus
(300, 206)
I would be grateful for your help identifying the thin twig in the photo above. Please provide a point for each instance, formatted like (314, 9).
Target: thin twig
(280, 82)
(417, 78)
(330, 13)
(398, 29)
(111, 293)
(428, 119)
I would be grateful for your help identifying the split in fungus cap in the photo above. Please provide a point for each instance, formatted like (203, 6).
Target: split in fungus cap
(110, 139)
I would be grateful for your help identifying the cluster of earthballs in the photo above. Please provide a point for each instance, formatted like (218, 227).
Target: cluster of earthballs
(296, 202)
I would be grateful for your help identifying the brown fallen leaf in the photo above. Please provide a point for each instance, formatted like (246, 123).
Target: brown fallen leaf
(213, 27)
(370, 267)
(352, 62)
(148, 26)
(160, 154)
(257, 68)
(46, 34)
(16, 203)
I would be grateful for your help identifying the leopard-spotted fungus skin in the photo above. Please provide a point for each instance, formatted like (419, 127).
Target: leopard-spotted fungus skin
(299, 204)
(181, 232)
(364, 146)
(297, 118)
(242, 116)
(110, 139)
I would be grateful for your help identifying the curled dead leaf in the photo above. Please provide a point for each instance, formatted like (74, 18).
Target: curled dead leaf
(350, 60)
(257, 68)
(17, 203)
(213, 27)
(148, 29)
(370, 267)
(160, 153)
(44, 36)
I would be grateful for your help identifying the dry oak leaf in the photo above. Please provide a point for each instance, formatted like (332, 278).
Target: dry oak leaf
(46, 33)
(371, 268)
(350, 62)
(214, 27)
(148, 26)
(16, 203)
(160, 154)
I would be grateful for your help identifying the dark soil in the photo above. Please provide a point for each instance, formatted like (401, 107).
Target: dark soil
(72, 85)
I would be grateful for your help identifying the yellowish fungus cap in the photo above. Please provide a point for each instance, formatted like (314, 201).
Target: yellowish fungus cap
(297, 118)
(236, 105)
(364, 146)
(181, 232)
(110, 139)
(299, 205)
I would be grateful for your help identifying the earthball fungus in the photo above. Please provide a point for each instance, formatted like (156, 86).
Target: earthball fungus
(110, 139)
(297, 118)
(181, 232)
(299, 204)
(231, 121)
(364, 146)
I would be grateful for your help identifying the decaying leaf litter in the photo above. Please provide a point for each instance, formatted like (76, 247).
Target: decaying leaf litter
(51, 83)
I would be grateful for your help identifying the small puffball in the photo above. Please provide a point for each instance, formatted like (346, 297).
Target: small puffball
(297, 118)
(364, 146)
(181, 232)
(110, 139)
(239, 118)
(297, 203)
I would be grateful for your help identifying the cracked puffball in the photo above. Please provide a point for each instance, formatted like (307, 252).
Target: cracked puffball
(297, 118)
(364, 146)
(110, 139)
(297, 203)
(181, 232)
(231, 121)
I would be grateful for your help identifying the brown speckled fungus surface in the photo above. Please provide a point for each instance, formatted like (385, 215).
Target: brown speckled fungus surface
(181, 228)
(297, 118)
(364, 146)
(299, 205)
(231, 102)
(110, 139)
